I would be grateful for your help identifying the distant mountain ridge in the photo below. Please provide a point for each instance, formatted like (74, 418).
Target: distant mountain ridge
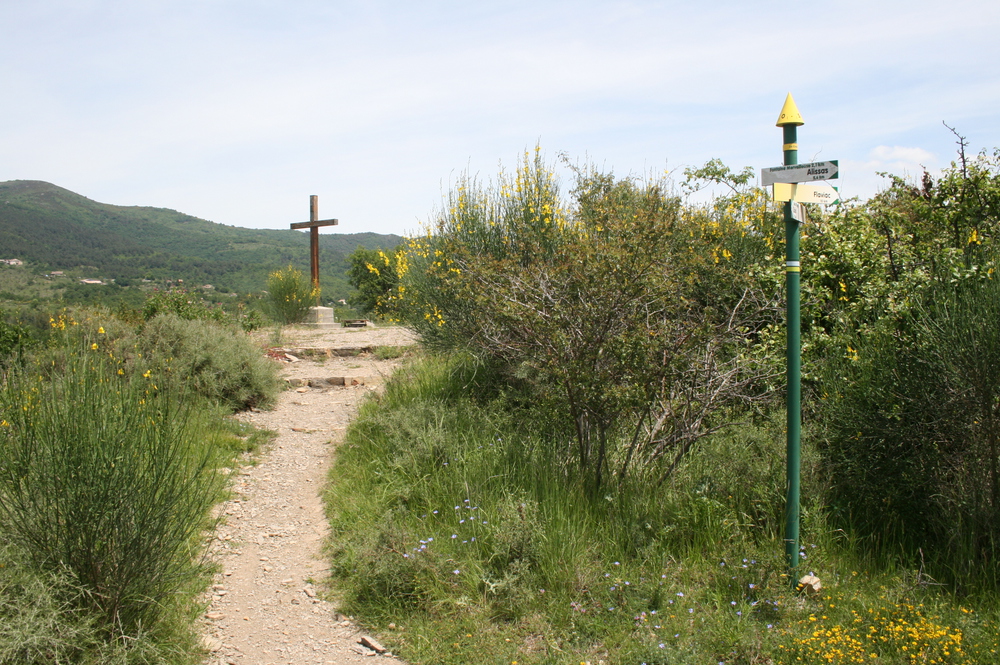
(53, 227)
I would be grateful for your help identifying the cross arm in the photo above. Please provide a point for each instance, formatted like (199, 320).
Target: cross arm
(316, 224)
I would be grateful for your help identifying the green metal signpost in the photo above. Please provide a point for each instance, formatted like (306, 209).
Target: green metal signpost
(789, 121)
(786, 179)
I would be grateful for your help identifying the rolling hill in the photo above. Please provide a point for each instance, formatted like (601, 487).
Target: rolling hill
(51, 228)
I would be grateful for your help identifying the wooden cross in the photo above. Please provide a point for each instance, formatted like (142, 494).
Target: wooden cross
(313, 225)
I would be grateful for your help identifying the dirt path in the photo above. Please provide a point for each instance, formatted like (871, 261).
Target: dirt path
(266, 606)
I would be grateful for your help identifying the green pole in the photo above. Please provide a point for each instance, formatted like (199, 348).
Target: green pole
(789, 121)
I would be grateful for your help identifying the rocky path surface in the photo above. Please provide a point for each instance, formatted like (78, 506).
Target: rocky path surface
(267, 605)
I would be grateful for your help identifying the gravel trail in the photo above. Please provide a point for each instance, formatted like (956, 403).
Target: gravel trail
(267, 605)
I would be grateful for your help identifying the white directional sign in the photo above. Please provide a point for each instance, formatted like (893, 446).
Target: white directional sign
(800, 172)
(806, 193)
(799, 212)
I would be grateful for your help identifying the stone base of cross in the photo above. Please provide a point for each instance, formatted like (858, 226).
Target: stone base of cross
(313, 225)
(320, 317)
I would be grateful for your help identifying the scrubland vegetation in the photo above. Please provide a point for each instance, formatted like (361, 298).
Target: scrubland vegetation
(113, 450)
(589, 463)
(586, 464)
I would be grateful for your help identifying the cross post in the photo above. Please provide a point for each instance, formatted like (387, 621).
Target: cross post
(313, 225)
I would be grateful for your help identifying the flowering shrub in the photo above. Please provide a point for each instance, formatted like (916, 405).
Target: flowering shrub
(290, 295)
(375, 274)
(115, 499)
(618, 307)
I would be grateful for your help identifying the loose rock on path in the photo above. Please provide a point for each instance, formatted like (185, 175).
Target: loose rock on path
(267, 605)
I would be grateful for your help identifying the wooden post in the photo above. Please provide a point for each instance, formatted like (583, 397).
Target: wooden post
(313, 225)
(314, 240)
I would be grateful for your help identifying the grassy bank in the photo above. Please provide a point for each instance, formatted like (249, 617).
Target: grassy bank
(461, 535)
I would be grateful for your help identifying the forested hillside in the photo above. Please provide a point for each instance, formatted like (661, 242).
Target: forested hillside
(57, 229)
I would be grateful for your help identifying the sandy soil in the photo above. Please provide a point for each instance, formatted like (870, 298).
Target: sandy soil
(268, 604)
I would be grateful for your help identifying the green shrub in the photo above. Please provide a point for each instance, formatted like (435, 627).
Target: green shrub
(619, 308)
(249, 319)
(188, 306)
(103, 476)
(14, 338)
(374, 273)
(290, 295)
(914, 430)
(205, 358)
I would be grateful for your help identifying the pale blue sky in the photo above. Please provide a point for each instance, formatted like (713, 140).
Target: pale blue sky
(237, 110)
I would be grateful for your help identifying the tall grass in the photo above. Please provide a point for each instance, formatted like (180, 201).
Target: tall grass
(105, 479)
(37, 623)
(453, 517)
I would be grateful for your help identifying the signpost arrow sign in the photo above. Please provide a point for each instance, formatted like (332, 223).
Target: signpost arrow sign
(824, 194)
(799, 213)
(800, 173)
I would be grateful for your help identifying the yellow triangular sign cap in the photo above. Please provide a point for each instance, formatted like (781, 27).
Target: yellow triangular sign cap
(790, 113)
